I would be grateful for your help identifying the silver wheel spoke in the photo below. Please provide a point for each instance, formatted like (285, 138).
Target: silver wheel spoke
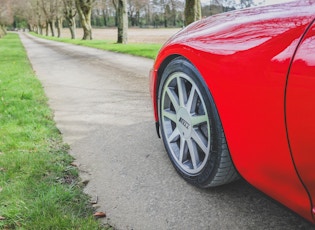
(200, 140)
(182, 94)
(173, 98)
(182, 150)
(174, 136)
(193, 153)
(191, 102)
(170, 115)
(199, 119)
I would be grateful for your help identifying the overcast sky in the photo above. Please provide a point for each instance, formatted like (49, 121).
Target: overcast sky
(277, 1)
(267, 2)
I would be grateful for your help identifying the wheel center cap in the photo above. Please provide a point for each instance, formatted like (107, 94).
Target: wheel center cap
(184, 122)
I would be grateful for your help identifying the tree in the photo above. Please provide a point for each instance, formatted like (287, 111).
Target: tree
(246, 3)
(192, 11)
(49, 10)
(59, 16)
(6, 16)
(38, 22)
(84, 9)
(69, 13)
(135, 9)
(40, 14)
(172, 17)
(28, 14)
(122, 20)
(52, 10)
(107, 11)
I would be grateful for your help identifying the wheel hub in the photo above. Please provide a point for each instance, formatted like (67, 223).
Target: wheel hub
(184, 123)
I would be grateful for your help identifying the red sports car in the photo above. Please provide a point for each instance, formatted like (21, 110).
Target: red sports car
(234, 94)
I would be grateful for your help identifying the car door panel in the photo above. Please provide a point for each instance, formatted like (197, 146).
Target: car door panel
(300, 111)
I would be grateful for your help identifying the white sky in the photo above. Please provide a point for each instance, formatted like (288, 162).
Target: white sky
(267, 2)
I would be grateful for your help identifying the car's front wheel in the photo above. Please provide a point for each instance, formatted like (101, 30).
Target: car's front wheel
(191, 129)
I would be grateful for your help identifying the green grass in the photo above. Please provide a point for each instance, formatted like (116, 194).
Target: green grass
(143, 49)
(39, 188)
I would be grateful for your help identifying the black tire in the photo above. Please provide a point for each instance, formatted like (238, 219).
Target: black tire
(191, 128)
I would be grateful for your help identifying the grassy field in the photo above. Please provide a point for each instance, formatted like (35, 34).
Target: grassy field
(39, 188)
(144, 49)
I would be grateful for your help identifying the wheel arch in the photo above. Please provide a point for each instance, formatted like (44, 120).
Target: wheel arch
(161, 69)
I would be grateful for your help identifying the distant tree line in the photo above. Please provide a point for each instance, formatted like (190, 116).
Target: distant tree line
(49, 16)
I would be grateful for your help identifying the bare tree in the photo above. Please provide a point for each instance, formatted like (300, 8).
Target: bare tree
(41, 14)
(192, 11)
(247, 3)
(84, 8)
(171, 19)
(122, 20)
(38, 22)
(70, 12)
(6, 16)
(59, 16)
(49, 10)
(30, 12)
(135, 9)
(34, 15)
(103, 13)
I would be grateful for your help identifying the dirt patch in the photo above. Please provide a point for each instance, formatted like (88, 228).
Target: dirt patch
(135, 35)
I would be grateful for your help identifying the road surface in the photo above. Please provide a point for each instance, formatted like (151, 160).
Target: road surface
(102, 107)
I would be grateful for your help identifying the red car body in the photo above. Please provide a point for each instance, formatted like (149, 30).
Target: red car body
(259, 65)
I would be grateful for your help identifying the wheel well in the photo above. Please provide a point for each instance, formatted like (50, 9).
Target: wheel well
(162, 68)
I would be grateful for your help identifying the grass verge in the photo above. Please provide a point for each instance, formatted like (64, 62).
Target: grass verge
(39, 189)
(143, 49)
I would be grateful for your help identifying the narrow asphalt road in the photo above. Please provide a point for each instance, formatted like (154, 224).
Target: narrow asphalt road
(103, 109)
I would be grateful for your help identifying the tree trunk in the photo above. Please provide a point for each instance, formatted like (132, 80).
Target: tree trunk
(84, 8)
(87, 31)
(105, 17)
(2, 31)
(72, 27)
(59, 25)
(69, 14)
(52, 27)
(39, 21)
(122, 22)
(192, 11)
(47, 28)
(40, 29)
